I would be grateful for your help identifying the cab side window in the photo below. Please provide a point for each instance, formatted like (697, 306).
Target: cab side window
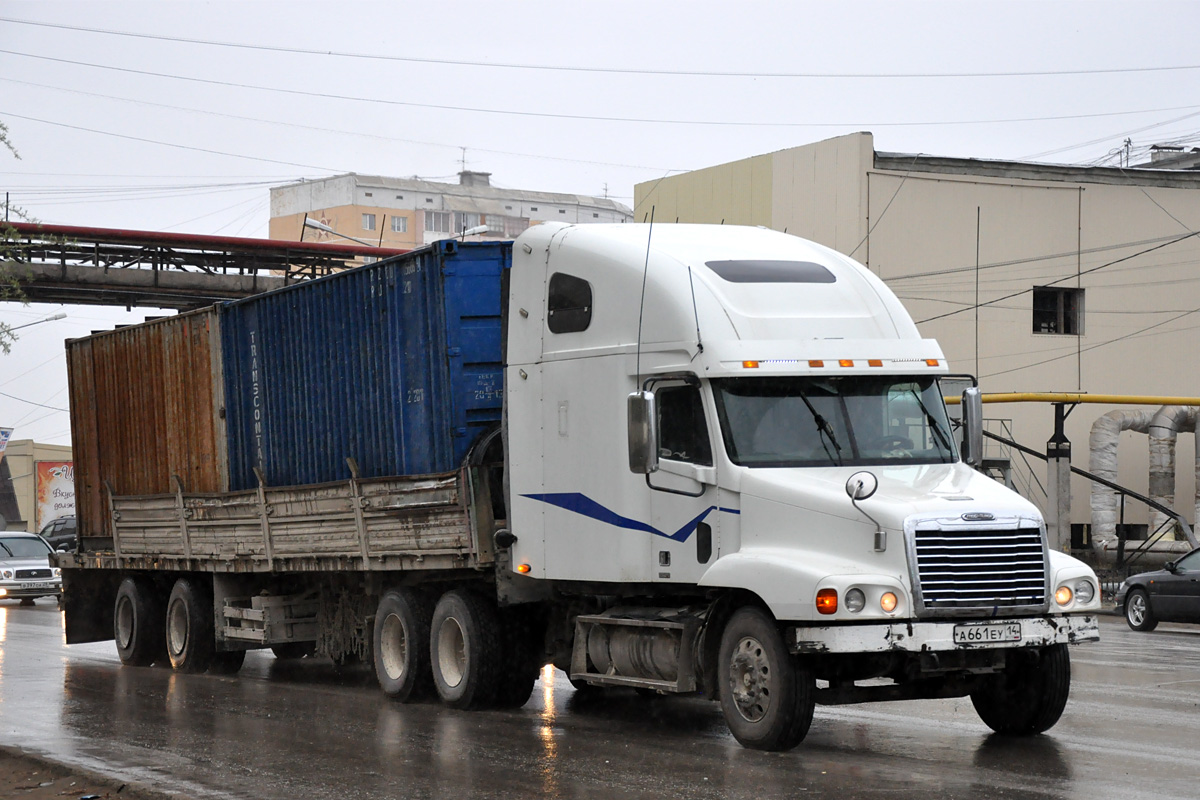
(682, 432)
(569, 305)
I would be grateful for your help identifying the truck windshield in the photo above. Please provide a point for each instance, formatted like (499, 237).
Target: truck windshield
(821, 422)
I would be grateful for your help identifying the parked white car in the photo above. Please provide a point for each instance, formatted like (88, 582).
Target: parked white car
(25, 571)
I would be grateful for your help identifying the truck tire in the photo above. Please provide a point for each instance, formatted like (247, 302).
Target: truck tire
(466, 650)
(292, 650)
(767, 695)
(1138, 614)
(1029, 696)
(401, 650)
(138, 623)
(190, 637)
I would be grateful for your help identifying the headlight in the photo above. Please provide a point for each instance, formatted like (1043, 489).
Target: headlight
(1063, 595)
(855, 600)
(8, 574)
(1084, 591)
(57, 572)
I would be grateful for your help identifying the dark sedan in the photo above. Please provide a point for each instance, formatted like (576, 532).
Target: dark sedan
(1172, 594)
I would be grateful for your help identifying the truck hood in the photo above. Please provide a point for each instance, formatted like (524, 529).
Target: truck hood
(929, 491)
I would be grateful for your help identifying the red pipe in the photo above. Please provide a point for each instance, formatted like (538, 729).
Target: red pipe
(199, 241)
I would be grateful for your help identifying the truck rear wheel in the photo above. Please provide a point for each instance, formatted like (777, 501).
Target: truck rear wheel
(190, 637)
(402, 664)
(1029, 696)
(138, 623)
(766, 694)
(466, 650)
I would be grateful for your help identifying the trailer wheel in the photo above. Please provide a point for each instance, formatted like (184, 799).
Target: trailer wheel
(402, 664)
(767, 695)
(190, 637)
(138, 623)
(227, 662)
(466, 650)
(1029, 696)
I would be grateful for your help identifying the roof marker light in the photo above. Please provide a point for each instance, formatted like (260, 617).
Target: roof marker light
(750, 364)
(846, 362)
(816, 363)
(874, 362)
(931, 362)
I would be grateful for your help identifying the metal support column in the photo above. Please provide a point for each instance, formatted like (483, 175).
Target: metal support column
(1058, 482)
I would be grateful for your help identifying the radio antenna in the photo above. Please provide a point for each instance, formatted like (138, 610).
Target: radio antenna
(642, 302)
(695, 314)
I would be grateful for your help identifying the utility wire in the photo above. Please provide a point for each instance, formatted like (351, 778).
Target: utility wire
(727, 123)
(600, 70)
(30, 402)
(1060, 280)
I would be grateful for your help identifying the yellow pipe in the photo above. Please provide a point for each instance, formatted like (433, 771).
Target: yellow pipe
(1068, 397)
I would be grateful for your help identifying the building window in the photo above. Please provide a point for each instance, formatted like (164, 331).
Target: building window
(368, 194)
(428, 199)
(399, 224)
(369, 260)
(437, 221)
(533, 208)
(562, 211)
(1057, 311)
(464, 221)
(595, 215)
(570, 304)
(368, 222)
(508, 208)
(399, 197)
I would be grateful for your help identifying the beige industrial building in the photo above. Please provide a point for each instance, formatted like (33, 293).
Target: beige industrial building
(20, 468)
(410, 212)
(1035, 277)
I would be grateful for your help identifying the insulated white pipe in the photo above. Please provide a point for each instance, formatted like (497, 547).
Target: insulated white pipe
(1168, 422)
(1102, 461)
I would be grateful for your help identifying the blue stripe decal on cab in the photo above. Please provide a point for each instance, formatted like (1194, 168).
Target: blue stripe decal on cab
(586, 506)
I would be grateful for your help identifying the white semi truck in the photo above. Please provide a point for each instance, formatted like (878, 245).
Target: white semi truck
(720, 463)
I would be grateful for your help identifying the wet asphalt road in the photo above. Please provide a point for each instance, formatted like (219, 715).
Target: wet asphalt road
(287, 730)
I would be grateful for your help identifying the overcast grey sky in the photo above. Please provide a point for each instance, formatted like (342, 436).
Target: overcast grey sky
(178, 116)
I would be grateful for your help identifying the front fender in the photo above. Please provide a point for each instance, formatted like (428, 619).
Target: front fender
(787, 580)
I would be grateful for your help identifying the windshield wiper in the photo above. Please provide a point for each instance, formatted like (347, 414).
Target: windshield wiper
(941, 435)
(11, 554)
(825, 429)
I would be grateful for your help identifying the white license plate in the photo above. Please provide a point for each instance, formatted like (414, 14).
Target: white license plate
(38, 585)
(987, 633)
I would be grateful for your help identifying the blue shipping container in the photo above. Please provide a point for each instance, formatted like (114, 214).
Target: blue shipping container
(396, 364)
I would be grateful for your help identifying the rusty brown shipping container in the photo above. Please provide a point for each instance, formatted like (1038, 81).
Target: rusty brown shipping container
(146, 406)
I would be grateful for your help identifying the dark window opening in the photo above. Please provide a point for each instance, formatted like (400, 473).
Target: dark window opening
(1057, 311)
(682, 433)
(771, 271)
(570, 304)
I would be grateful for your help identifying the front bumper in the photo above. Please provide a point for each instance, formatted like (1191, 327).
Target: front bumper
(923, 637)
(46, 587)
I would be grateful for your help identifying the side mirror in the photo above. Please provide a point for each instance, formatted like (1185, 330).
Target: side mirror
(1171, 567)
(643, 433)
(972, 427)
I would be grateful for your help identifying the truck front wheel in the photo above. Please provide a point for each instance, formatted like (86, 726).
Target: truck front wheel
(190, 637)
(1029, 696)
(766, 693)
(402, 644)
(138, 623)
(466, 650)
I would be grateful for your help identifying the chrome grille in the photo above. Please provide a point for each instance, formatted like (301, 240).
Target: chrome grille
(980, 568)
(33, 573)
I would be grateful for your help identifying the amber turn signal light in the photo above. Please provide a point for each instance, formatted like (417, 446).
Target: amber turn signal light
(888, 602)
(827, 601)
(522, 568)
(1063, 595)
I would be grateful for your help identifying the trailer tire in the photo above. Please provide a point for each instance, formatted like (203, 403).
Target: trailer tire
(767, 695)
(227, 662)
(1028, 697)
(466, 650)
(190, 637)
(401, 650)
(138, 623)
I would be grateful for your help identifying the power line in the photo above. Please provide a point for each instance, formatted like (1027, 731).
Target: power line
(599, 70)
(1060, 280)
(30, 402)
(728, 123)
